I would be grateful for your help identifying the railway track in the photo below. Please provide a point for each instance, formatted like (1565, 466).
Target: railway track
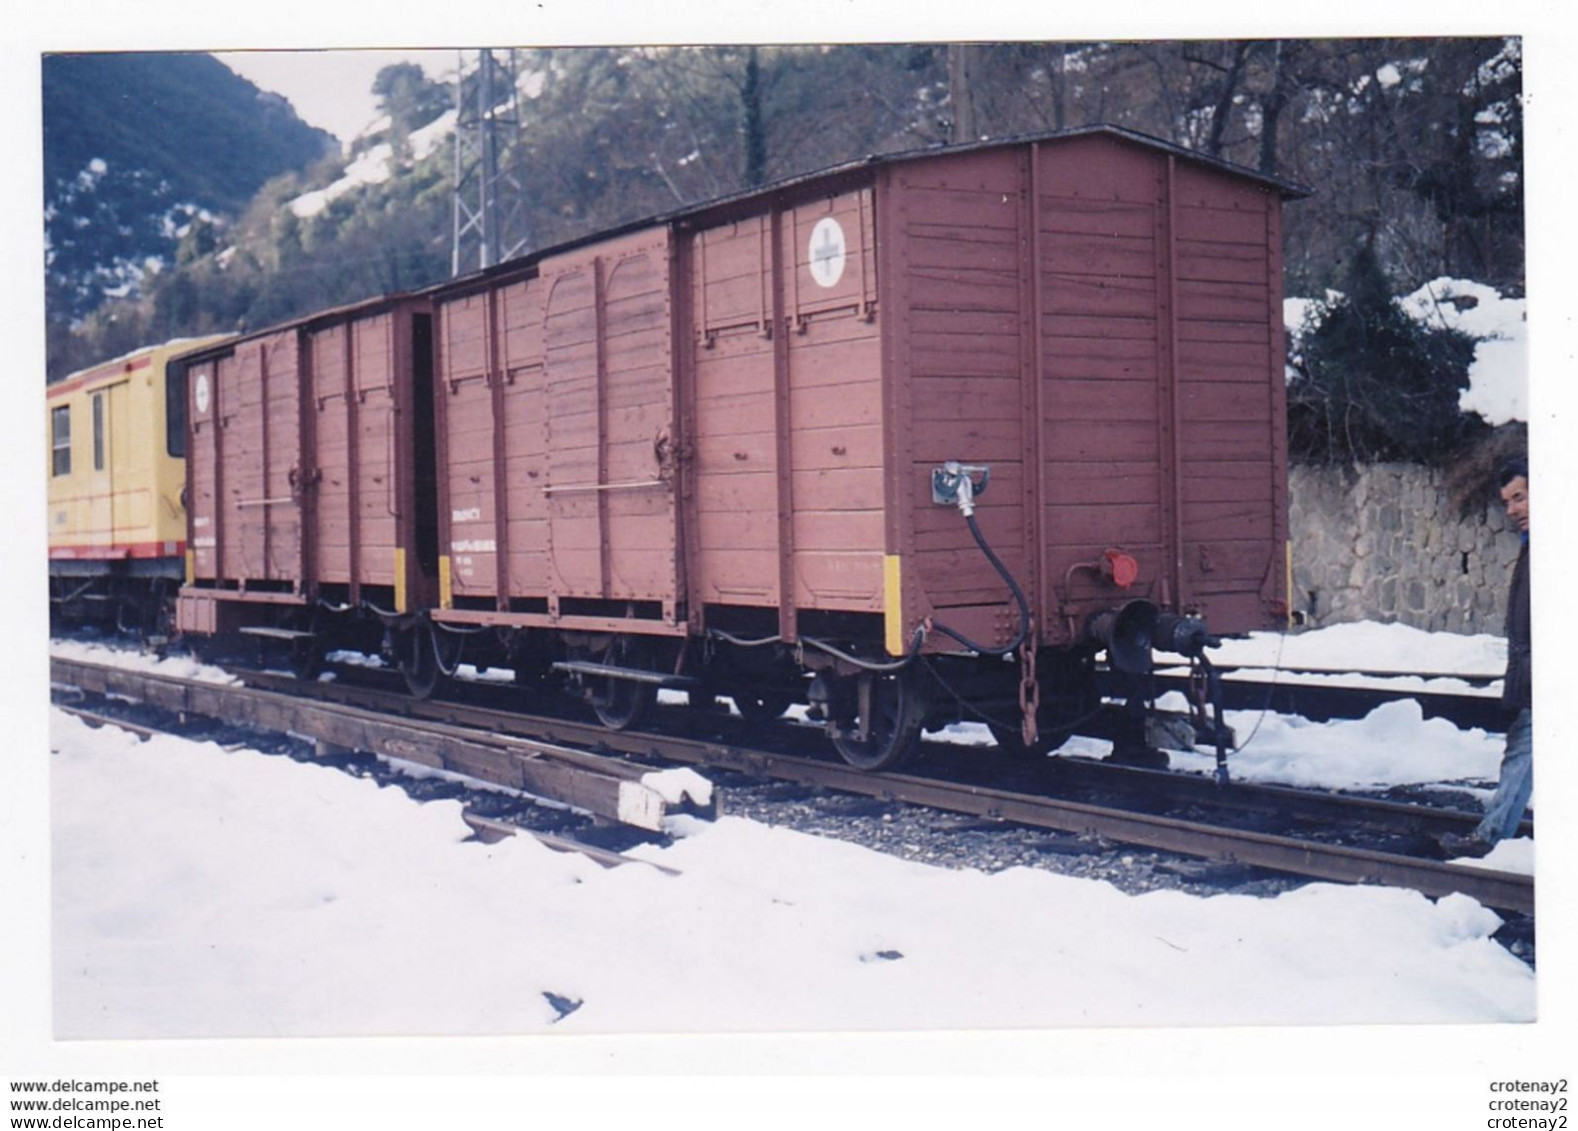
(602, 772)
(1314, 695)
(485, 827)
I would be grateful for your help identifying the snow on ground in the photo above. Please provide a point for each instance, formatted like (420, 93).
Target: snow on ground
(177, 667)
(1394, 745)
(1324, 657)
(1383, 648)
(201, 892)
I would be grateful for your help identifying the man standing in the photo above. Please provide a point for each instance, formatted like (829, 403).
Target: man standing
(1516, 783)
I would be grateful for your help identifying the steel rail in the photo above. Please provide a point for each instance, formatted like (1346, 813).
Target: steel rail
(1320, 702)
(1500, 890)
(1479, 679)
(96, 719)
(1283, 801)
(604, 787)
(489, 830)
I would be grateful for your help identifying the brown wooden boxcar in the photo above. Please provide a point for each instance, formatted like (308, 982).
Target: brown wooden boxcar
(911, 439)
(304, 491)
(724, 426)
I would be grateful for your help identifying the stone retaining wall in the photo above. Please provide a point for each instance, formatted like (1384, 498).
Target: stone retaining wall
(1384, 543)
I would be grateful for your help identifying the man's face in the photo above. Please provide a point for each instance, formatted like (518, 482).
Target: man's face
(1515, 497)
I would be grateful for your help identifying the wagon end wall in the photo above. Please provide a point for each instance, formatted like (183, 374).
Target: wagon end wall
(1099, 322)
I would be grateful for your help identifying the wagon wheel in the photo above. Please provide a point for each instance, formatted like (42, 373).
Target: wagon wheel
(418, 656)
(620, 703)
(762, 706)
(896, 710)
(158, 619)
(307, 654)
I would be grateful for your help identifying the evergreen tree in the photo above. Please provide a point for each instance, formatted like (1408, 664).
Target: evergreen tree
(1378, 385)
(411, 100)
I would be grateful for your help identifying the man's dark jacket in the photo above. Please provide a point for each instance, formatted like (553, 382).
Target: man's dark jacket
(1517, 690)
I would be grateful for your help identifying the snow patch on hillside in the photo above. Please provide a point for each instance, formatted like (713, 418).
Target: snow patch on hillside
(374, 166)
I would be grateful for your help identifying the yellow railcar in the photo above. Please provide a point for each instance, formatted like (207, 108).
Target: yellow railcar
(116, 449)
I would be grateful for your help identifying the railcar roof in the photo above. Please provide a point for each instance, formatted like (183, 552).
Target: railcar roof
(316, 318)
(527, 262)
(1289, 190)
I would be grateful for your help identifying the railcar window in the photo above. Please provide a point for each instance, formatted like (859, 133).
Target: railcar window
(98, 432)
(60, 440)
(175, 410)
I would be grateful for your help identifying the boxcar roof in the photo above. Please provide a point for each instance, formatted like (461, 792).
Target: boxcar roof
(316, 318)
(525, 263)
(1288, 189)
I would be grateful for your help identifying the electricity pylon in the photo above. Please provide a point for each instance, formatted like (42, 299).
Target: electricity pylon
(490, 204)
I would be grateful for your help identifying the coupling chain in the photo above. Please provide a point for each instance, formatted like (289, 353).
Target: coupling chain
(1199, 690)
(1029, 689)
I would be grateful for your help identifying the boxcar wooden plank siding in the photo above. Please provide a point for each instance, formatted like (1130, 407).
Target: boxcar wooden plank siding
(496, 339)
(965, 402)
(1102, 254)
(745, 490)
(1102, 341)
(239, 444)
(332, 429)
(731, 288)
(1228, 518)
(1205, 261)
(305, 448)
(741, 406)
(255, 425)
(956, 354)
(1110, 358)
(787, 403)
(277, 538)
(738, 363)
(202, 470)
(845, 491)
(606, 526)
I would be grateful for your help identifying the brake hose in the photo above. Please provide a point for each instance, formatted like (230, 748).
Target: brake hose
(1019, 598)
(823, 646)
(920, 633)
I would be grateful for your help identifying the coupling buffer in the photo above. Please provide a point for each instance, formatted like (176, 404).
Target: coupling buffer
(955, 484)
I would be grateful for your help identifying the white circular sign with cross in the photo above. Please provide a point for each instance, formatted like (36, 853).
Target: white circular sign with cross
(826, 252)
